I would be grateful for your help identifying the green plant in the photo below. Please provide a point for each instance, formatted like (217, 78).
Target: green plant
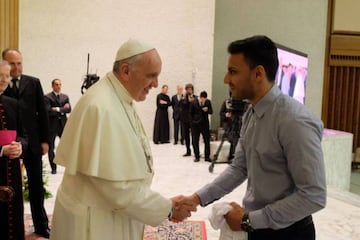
(47, 193)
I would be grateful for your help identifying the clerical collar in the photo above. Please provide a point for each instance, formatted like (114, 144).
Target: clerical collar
(120, 90)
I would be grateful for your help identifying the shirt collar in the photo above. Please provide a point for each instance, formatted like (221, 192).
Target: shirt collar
(261, 107)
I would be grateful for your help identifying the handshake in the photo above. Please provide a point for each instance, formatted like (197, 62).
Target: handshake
(183, 206)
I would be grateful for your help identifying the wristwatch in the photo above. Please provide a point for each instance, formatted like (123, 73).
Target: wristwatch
(245, 223)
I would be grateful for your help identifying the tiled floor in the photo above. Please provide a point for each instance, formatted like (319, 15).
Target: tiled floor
(175, 175)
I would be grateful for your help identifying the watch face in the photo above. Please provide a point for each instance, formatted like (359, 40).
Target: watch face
(245, 224)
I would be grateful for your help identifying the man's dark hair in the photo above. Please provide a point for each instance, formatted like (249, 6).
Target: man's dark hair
(258, 50)
(203, 94)
(53, 81)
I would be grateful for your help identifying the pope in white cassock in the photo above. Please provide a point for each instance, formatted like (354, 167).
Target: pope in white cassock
(105, 191)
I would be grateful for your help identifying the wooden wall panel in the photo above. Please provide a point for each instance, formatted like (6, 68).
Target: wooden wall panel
(341, 96)
(9, 24)
(343, 110)
(343, 86)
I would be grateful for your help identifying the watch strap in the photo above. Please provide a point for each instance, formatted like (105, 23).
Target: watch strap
(245, 223)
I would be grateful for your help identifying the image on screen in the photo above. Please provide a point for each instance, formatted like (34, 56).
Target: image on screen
(291, 76)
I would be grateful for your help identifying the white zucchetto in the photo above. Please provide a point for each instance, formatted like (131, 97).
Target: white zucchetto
(131, 48)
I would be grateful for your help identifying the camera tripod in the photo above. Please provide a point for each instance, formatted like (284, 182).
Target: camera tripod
(216, 155)
(234, 132)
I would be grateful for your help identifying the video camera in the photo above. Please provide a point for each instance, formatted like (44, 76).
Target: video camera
(236, 106)
(89, 79)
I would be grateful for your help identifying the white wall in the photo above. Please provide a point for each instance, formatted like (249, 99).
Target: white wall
(56, 36)
(298, 24)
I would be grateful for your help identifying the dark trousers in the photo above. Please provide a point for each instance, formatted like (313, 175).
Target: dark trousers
(51, 153)
(34, 172)
(185, 126)
(196, 130)
(177, 130)
(301, 230)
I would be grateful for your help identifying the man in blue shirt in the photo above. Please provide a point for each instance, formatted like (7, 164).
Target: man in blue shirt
(279, 152)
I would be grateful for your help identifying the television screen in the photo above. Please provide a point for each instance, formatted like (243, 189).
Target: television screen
(291, 76)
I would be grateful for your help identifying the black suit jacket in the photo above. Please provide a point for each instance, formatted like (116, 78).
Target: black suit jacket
(57, 120)
(197, 115)
(185, 109)
(175, 103)
(32, 110)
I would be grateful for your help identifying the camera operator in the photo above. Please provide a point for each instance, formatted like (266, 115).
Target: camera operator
(185, 119)
(231, 112)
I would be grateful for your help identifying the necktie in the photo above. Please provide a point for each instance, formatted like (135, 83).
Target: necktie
(15, 87)
(58, 97)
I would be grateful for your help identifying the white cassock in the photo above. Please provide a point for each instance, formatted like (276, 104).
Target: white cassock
(105, 192)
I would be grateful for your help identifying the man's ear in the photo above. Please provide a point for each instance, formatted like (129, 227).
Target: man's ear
(260, 72)
(124, 71)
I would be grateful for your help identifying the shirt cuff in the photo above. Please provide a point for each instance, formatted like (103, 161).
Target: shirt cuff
(258, 219)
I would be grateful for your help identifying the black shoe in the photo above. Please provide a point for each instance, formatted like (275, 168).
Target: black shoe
(187, 154)
(207, 160)
(175, 143)
(182, 142)
(53, 171)
(196, 159)
(43, 233)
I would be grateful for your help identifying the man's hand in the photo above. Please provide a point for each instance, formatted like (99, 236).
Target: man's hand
(13, 150)
(183, 206)
(234, 216)
(44, 148)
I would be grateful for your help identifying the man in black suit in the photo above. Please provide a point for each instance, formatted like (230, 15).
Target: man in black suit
(11, 194)
(28, 91)
(199, 113)
(175, 103)
(57, 105)
(185, 115)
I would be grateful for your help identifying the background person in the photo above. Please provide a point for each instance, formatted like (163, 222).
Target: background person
(161, 124)
(279, 152)
(175, 103)
(11, 207)
(185, 117)
(199, 114)
(28, 91)
(57, 105)
(106, 188)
